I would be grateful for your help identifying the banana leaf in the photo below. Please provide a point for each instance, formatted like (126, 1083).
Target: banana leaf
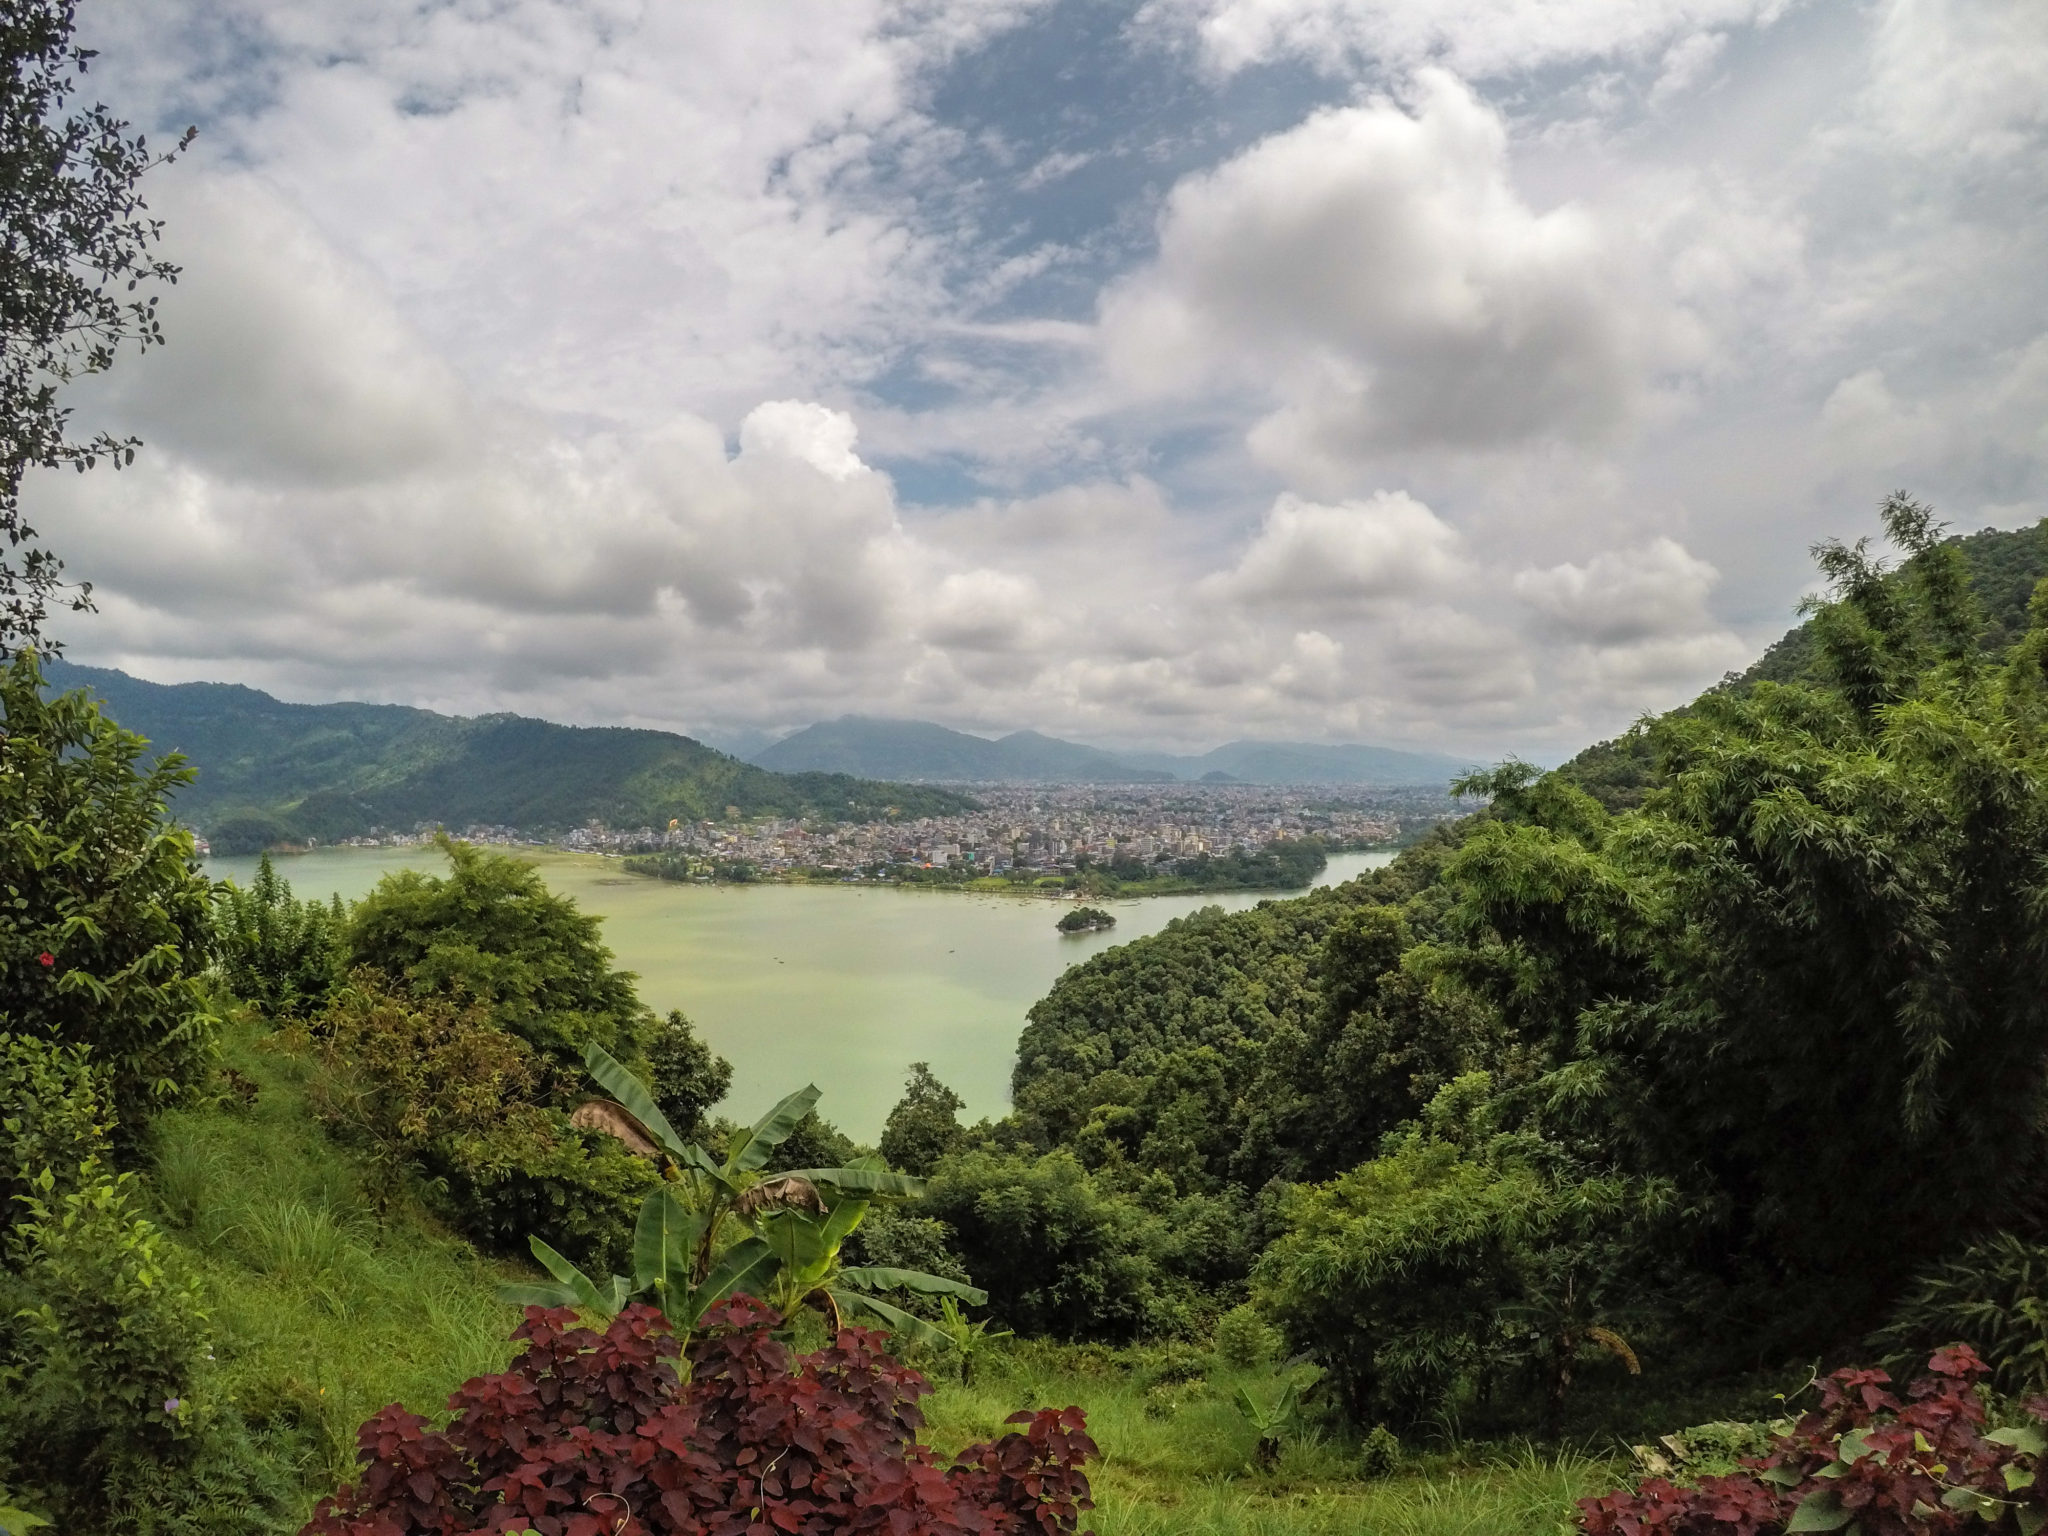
(664, 1239)
(882, 1278)
(855, 1180)
(607, 1301)
(853, 1304)
(631, 1094)
(772, 1130)
(748, 1265)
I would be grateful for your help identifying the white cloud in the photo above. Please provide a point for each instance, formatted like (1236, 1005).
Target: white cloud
(1477, 38)
(1623, 596)
(1960, 77)
(1376, 268)
(291, 363)
(809, 433)
(1545, 365)
(1635, 622)
(1312, 558)
(1686, 63)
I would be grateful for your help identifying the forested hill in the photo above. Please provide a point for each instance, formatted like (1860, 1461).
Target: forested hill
(270, 771)
(1692, 1066)
(2003, 564)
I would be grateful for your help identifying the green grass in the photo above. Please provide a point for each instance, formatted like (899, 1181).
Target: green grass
(1179, 1460)
(333, 1294)
(327, 1302)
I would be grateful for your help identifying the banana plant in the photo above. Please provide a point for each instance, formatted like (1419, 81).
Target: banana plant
(1271, 1424)
(966, 1339)
(797, 1223)
(806, 1228)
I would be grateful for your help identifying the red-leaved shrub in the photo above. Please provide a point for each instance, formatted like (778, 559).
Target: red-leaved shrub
(590, 1435)
(1925, 1467)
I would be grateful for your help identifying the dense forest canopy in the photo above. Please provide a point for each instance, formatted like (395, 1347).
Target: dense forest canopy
(1725, 1038)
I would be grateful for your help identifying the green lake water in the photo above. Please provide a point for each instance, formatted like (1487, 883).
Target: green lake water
(838, 985)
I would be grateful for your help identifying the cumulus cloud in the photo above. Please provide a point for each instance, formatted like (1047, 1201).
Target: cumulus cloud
(1637, 620)
(1376, 267)
(1957, 77)
(808, 433)
(292, 364)
(704, 367)
(1344, 558)
(1623, 596)
(1686, 64)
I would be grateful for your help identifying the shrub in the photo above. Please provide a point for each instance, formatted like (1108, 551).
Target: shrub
(491, 932)
(1175, 1364)
(1995, 1294)
(1243, 1340)
(106, 1415)
(893, 1239)
(1380, 1454)
(1393, 1275)
(1057, 1252)
(104, 922)
(284, 955)
(434, 1083)
(1864, 1461)
(53, 1117)
(601, 1433)
(115, 1339)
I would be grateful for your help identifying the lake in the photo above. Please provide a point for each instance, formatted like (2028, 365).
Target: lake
(843, 986)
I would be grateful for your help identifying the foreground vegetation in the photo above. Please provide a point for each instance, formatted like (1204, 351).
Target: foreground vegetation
(1611, 1108)
(334, 1293)
(1572, 1128)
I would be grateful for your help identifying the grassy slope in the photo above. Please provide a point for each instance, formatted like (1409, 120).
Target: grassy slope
(327, 1307)
(336, 770)
(1188, 1472)
(324, 1309)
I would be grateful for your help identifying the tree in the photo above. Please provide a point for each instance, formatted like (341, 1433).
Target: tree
(76, 264)
(491, 931)
(925, 1124)
(689, 1077)
(1090, 919)
(104, 925)
(1808, 980)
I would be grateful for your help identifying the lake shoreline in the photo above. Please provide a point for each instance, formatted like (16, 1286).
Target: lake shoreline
(839, 984)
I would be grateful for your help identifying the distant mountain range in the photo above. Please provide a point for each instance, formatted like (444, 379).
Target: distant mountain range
(917, 750)
(273, 772)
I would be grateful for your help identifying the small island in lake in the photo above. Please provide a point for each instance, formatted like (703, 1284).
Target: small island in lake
(1086, 920)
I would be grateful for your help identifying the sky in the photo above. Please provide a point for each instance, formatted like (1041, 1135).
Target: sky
(1468, 374)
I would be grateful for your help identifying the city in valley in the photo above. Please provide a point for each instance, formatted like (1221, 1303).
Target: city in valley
(1140, 831)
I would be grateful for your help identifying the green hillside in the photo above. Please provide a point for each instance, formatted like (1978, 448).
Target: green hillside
(1679, 1042)
(271, 771)
(2003, 567)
